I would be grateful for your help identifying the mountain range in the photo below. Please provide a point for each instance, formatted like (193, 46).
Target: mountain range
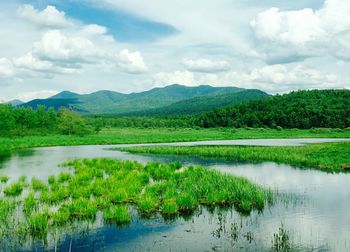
(170, 100)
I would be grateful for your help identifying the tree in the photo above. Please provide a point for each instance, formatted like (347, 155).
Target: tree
(7, 120)
(70, 123)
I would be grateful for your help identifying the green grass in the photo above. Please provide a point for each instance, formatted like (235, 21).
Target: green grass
(15, 189)
(117, 214)
(4, 179)
(333, 157)
(135, 135)
(153, 188)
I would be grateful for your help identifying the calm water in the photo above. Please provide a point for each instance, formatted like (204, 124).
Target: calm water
(312, 206)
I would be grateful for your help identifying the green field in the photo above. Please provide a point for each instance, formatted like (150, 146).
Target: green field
(332, 157)
(136, 135)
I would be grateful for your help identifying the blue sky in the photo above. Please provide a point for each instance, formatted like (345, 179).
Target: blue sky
(129, 45)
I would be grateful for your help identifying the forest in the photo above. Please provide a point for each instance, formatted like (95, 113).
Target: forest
(40, 121)
(301, 109)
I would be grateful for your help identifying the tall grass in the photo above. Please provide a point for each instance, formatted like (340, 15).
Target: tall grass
(112, 186)
(333, 157)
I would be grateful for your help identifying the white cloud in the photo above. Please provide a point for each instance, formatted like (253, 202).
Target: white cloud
(43, 94)
(94, 29)
(303, 33)
(177, 77)
(6, 68)
(56, 46)
(206, 65)
(49, 17)
(282, 78)
(131, 62)
(29, 62)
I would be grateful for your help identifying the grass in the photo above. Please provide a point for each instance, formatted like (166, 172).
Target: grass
(15, 189)
(4, 179)
(332, 157)
(117, 214)
(113, 187)
(135, 135)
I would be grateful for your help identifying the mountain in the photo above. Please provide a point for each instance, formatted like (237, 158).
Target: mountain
(301, 109)
(202, 104)
(109, 102)
(15, 102)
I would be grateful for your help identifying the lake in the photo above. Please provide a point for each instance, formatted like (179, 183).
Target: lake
(313, 206)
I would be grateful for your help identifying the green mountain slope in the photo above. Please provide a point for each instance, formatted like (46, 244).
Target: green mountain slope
(109, 102)
(202, 104)
(302, 109)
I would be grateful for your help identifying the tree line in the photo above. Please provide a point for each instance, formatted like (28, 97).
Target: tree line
(19, 121)
(299, 109)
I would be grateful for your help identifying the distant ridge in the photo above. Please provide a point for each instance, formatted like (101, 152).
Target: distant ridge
(15, 102)
(106, 102)
(202, 104)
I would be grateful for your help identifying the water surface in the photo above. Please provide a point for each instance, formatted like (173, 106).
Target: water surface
(312, 205)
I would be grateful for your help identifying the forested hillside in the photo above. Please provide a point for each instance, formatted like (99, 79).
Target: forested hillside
(301, 109)
(202, 104)
(113, 103)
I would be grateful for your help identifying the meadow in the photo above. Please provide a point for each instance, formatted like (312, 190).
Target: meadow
(331, 157)
(159, 135)
(113, 188)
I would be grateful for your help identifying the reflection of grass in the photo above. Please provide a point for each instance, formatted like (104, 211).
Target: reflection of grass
(328, 156)
(136, 135)
(111, 187)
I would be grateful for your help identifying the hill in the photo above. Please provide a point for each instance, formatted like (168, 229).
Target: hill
(109, 102)
(301, 109)
(202, 104)
(15, 102)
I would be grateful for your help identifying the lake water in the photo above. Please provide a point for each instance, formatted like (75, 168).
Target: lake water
(311, 205)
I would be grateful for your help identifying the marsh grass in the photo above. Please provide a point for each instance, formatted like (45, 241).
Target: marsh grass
(14, 189)
(331, 157)
(112, 187)
(4, 179)
(117, 214)
(158, 135)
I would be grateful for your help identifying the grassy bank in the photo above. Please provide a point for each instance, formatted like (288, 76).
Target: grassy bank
(328, 157)
(113, 187)
(136, 135)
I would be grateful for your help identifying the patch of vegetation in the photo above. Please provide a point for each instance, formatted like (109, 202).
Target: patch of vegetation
(4, 179)
(161, 135)
(332, 157)
(281, 241)
(15, 189)
(113, 187)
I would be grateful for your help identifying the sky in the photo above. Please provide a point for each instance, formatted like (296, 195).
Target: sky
(133, 45)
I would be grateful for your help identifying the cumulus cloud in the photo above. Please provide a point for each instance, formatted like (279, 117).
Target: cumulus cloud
(49, 17)
(131, 62)
(304, 33)
(29, 62)
(206, 65)
(56, 46)
(60, 53)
